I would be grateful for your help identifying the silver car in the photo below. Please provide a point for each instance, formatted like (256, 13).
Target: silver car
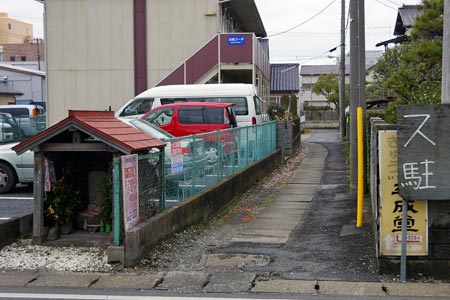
(15, 168)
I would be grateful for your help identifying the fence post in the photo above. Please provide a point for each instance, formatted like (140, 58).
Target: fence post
(162, 193)
(116, 197)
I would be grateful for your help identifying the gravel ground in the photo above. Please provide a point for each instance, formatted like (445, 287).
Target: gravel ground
(181, 252)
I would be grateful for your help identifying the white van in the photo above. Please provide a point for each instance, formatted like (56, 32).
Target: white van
(248, 106)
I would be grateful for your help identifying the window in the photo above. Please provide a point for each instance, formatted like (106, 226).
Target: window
(9, 26)
(191, 115)
(23, 58)
(216, 116)
(257, 105)
(160, 117)
(12, 58)
(137, 107)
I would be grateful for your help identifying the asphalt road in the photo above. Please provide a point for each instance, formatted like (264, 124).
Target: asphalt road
(16, 203)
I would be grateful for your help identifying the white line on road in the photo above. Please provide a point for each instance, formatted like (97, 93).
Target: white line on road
(107, 297)
(16, 198)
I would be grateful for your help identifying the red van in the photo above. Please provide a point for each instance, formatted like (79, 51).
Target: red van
(182, 119)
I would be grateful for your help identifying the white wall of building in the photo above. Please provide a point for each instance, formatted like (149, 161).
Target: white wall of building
(175, 30)
(90, 56)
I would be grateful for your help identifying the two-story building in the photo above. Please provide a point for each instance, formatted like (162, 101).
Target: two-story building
(100, 54)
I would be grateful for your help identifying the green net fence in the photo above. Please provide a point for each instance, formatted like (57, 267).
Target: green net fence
(189, 165)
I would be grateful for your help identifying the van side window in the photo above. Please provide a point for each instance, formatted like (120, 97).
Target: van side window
(172, 100)
(257, 105)
(240, 108)
(191, 115)
(160, 116)
(16, 112)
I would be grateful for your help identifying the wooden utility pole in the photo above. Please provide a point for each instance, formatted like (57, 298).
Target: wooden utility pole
(445, 95)
(357, 83)
(342, 123)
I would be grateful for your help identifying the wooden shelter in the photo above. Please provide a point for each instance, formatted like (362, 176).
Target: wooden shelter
(90, 140)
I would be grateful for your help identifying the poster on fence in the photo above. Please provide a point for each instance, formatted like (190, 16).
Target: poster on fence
(176, 158)
(391, 205)
(130, 188)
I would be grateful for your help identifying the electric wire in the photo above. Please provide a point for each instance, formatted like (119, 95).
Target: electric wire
(304, 22)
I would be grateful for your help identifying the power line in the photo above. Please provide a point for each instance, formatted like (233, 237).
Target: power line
(296, 26)
(386, 5)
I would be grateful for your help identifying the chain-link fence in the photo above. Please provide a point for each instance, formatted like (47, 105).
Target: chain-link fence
(191, 164)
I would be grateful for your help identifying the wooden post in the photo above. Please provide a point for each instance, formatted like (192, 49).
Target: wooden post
(39, 235)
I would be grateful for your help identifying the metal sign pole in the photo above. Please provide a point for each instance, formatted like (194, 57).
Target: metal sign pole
(404, 240)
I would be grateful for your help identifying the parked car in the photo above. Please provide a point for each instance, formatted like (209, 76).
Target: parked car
(182, 119)
(15, 168)
(7, 122)
(30, 117)
(248, 106)
(193, 154)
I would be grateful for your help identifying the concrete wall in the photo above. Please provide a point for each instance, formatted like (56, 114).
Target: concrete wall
(11, 230)
(288, 136)
(437, 263)
(195, 210)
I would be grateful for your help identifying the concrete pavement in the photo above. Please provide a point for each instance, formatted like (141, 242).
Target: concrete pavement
(245, 270)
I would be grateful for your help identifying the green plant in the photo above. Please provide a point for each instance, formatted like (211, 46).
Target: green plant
(63, 201)
(105, 202)
(277, 112)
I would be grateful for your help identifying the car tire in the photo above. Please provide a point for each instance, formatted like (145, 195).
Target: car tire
(7, 178)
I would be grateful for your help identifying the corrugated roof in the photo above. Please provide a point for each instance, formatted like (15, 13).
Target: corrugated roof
(311, 70)
(284, 78)
(11, 68)
(406, 17)
(101, 125)
(6, 90)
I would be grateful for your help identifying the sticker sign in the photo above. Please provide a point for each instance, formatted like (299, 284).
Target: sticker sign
(176, 158)
(391, 204)
(236, 40)
(130, 186)
(423, 155)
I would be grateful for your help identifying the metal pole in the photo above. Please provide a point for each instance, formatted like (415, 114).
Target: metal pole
(404, 240)
(342, 74)
(445, 95)
(360, 198)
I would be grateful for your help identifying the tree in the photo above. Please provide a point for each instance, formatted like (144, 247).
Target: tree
(411, 72)
(328, 86)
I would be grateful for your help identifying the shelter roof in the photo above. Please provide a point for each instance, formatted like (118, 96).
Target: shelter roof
(101, 125)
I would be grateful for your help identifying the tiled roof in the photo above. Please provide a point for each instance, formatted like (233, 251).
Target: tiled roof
(103, 126)
(284, 78)
(406, 17)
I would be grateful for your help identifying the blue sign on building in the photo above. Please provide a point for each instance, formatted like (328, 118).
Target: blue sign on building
(236, 40)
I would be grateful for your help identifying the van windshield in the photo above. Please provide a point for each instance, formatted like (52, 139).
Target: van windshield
(137, 107)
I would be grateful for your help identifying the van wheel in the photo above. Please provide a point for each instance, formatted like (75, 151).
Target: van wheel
(7, 178)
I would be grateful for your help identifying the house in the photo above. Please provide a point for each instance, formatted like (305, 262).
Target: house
(284, 81)
(29, 83)
(117, 49)
(7, 94)
(309, 74)
(406, 16)
(14, 31)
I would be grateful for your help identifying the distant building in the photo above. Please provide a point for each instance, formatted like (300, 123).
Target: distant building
(14, 31)
(30, 84)
(284, 80)
(22, 53)
(7, 94)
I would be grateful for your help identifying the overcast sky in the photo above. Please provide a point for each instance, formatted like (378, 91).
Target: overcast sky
(306, 44)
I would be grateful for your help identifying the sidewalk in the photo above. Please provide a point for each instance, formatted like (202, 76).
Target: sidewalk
(305, 235)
